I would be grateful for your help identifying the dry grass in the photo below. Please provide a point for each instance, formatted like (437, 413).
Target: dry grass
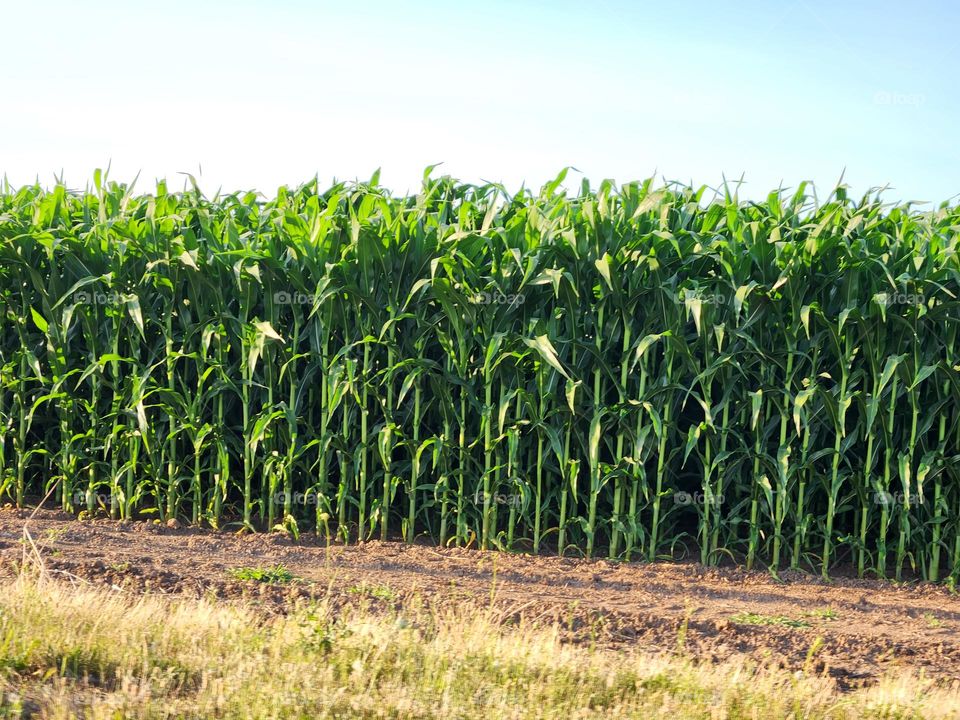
(79, 652)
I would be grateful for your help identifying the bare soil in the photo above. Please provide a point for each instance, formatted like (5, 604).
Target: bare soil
(853, 630)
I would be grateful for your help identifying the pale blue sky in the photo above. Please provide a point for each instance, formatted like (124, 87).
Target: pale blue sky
(260, 94)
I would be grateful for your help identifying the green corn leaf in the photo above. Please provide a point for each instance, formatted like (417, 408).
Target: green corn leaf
(547, 351)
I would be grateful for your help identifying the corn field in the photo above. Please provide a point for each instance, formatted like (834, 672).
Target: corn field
(636, 372)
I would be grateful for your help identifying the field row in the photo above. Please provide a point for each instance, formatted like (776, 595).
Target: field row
(637, 371)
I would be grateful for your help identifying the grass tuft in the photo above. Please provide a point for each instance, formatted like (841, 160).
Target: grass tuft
(747, 618)
(274, 575)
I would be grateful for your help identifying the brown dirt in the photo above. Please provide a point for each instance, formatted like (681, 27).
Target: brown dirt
(878, 627)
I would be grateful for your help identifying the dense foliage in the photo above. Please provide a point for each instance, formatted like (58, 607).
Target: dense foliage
(636, 371)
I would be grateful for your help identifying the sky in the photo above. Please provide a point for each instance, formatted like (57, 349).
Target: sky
(254, 95)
